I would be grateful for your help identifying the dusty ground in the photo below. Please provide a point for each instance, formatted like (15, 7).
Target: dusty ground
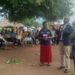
(30, 59)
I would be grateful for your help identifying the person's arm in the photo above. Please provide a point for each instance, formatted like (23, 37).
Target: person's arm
(68, 30)
(39, 35)
(50, 35)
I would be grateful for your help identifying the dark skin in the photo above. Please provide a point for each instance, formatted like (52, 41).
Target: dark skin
(45, 26)
(66, 20)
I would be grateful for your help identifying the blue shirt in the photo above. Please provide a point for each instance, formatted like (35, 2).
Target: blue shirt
(66, 34)
(42, 34)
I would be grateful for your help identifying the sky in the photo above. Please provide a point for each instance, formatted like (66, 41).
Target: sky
(39, 20)
(73, 16)
(1, 18)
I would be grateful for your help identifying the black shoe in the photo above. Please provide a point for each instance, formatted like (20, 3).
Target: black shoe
(48, 65)
(66, 71)
(61, 67)
(41, 64)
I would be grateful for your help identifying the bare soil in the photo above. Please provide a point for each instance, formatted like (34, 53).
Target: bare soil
(30, 62)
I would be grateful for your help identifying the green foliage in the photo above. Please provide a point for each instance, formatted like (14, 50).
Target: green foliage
(19, 10)
(28, 22)
(56, 9)
(73, 23)
(13, 61)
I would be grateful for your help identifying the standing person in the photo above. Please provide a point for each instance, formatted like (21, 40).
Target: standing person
(23, 37)
(45, 46)
(53, 32)
(19, 38)
(28, 39)
(66, 47)
(33, 35)
(72, 37)
(13, 37)
(60, 32)
(58, 35)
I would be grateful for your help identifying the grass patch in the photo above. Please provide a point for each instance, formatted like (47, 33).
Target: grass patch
(13, 61)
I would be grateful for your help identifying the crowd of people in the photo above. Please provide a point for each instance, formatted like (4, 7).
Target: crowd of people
(21, 37)
(18, 36)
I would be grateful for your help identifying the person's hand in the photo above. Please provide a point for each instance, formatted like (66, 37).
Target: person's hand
(60, 43)
(45, 38)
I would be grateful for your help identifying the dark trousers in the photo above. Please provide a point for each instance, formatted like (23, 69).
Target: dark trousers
(1, 42)
(19, 42)
(74, 62)
(54, 40)
(73, 54)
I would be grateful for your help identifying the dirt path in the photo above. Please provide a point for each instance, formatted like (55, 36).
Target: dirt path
(30, 59)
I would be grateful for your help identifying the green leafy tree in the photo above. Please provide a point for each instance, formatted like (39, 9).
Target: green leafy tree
(55, 9)
(18, 10)
(30, 22)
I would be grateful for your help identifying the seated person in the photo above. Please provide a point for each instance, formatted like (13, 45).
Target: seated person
(28, 39)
